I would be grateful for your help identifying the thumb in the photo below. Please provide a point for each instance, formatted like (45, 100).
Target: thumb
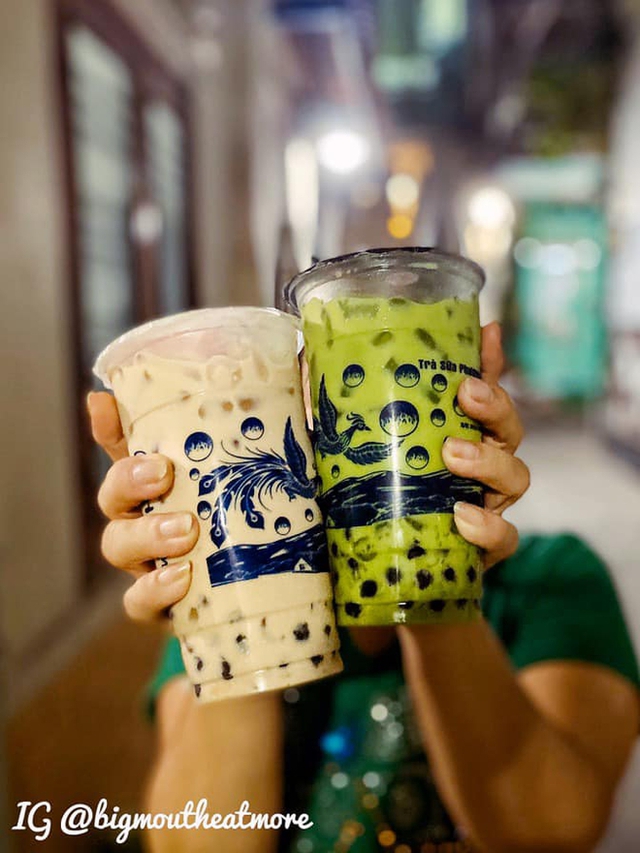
(105, 424)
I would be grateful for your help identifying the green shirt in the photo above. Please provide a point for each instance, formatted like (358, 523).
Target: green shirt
(353, 759)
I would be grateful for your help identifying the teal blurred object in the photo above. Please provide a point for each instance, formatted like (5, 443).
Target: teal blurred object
(560, 342)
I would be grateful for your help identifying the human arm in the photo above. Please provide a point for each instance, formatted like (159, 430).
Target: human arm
(226, 752)
(525, 760)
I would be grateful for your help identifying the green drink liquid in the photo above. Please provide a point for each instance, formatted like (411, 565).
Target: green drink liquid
(384, 374)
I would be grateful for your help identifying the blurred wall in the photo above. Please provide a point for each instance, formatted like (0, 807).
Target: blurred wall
(38, 517)
(44, 614)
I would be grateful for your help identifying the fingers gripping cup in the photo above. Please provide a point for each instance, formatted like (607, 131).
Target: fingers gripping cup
(389, 336)
(218, 392)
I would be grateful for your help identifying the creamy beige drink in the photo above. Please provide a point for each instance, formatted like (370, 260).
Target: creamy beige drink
(218, 392)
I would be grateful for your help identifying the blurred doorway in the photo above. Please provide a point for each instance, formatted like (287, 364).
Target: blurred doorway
(127, 143)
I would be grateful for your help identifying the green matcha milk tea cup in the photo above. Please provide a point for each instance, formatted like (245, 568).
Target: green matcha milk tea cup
(218, 392)
(389, 336)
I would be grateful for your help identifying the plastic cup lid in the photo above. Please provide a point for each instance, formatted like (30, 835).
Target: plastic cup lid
(127, 345)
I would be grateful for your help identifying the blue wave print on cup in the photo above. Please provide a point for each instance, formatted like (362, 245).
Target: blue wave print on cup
(361, 501)
(305, 552)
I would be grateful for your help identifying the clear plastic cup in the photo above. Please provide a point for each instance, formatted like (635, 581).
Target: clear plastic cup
(218, 392)
(389, 336)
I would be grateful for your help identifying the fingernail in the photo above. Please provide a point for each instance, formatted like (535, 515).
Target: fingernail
(177, 526)
(174, 574)
(461, 448)
(149, 471)
(469, 513)
(478, 390)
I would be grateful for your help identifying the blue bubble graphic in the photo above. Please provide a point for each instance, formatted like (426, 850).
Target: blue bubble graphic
(439, 382)
(457, 409)
(308, 514)
(194, 473)
(399, 418)
(198, 446)
(417, 457)
(335, 472)
(252, 428)
(438, 417)
(204, 509)
(353, 375)
(282, 525)
(407, 375)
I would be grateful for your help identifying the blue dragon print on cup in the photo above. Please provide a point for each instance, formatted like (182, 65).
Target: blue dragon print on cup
(218, 392)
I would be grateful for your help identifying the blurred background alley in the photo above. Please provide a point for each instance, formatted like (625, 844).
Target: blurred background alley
(157, 155)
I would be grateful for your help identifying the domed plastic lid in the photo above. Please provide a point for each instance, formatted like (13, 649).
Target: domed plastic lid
(188, 336)
(419, 273)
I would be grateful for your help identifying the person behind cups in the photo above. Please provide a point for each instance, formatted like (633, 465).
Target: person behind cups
(506, 734)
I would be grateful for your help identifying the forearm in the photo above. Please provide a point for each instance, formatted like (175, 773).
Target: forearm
(226, 753)
(508, 776)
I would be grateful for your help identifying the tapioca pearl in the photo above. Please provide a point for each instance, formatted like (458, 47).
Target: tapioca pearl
(424, 579)
(382, 338)
(393, 576)
(461, 603)
(147, 376)
(368, 589)
(247, 404)
(225, 670)
(283, 665)
(316, 660)
(365, 549)
(415, 551)
(193, 614)
(185, 395)
(334, 549)
(353, 564)
(449, 574)
(327, 629)
(241, 642)
(199, 664)
(197, 689)
(227, 406)
(352, 609)
(301, 632)
(472, 574)
(263, 622)
(261, 368)
(437, 605)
